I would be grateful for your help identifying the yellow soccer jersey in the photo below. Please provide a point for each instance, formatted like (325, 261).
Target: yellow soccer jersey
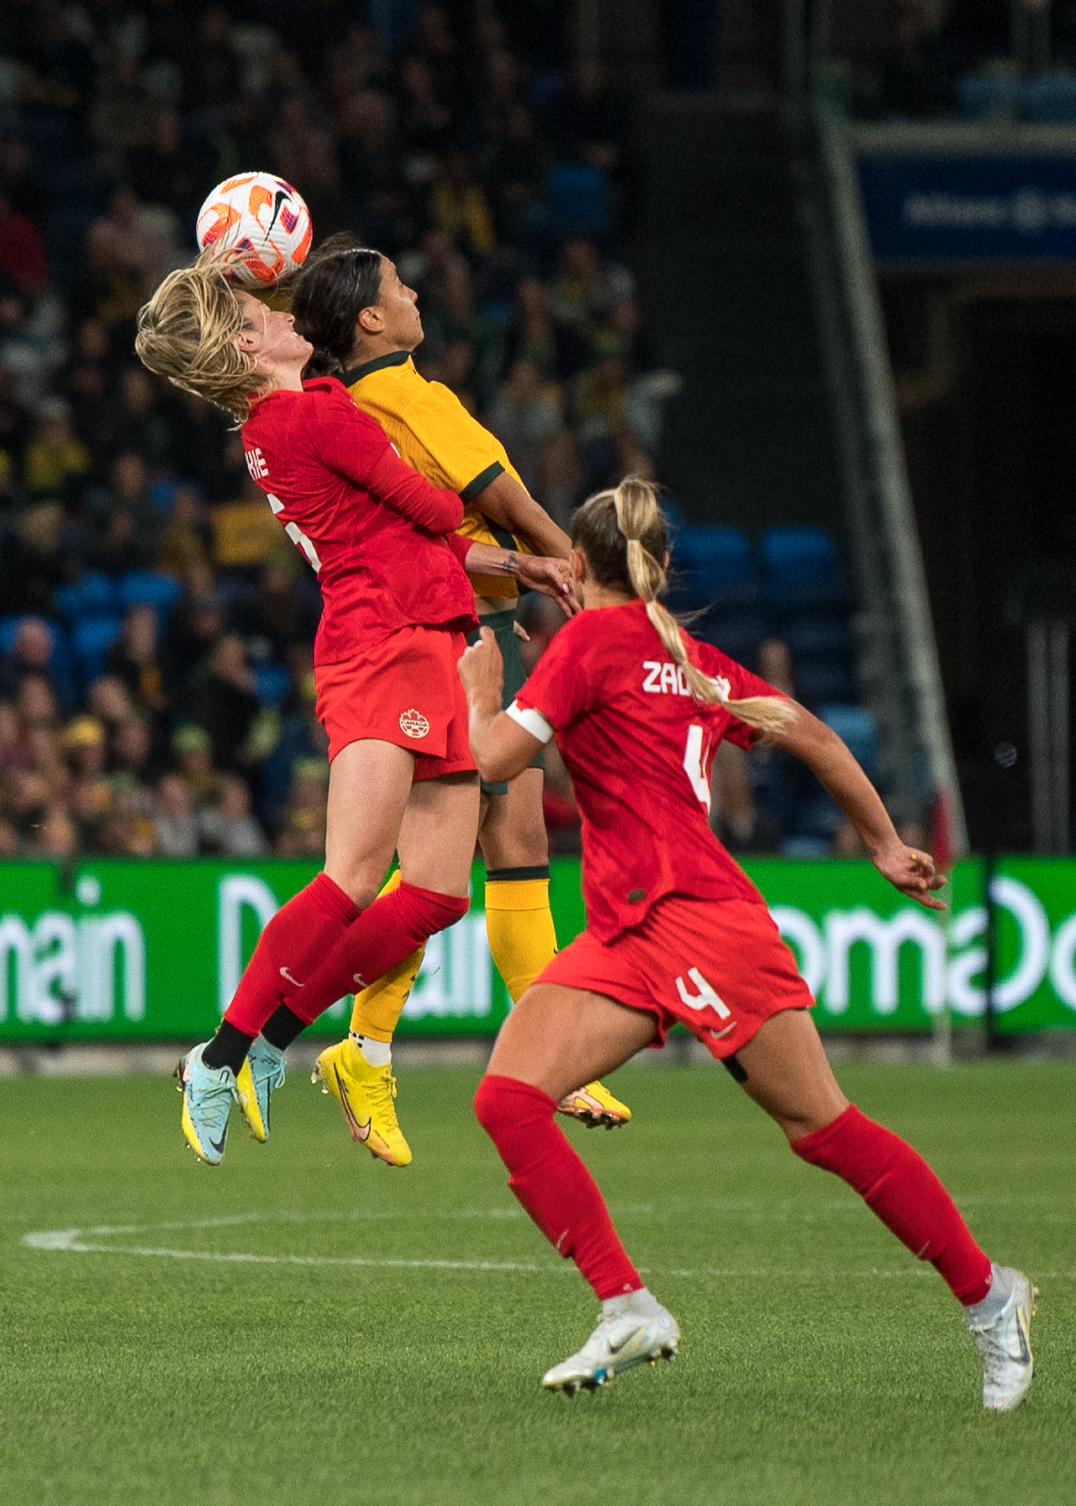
(434, 432)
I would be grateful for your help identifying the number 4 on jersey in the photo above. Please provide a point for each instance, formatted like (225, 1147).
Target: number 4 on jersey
(695, 765)
(707, 995)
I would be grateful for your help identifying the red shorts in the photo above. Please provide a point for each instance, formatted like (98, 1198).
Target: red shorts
(404, 690)
(717, 966)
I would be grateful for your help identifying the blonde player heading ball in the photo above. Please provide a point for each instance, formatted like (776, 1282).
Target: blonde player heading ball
(676, 932)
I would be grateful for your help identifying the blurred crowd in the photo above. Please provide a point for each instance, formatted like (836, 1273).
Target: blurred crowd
(156, 694)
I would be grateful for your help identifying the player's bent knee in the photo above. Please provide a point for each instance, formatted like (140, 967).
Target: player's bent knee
(360, 890)
(504, 1104)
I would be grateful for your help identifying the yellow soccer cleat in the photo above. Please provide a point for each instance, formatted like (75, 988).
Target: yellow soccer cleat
(594, 1105)
(365, 1094)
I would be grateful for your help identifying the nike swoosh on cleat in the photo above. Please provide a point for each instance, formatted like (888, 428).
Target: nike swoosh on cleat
(616, 1348)
(359, 1131)
(218, 1145)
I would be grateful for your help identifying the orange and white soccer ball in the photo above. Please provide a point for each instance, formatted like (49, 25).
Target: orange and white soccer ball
(261, 223)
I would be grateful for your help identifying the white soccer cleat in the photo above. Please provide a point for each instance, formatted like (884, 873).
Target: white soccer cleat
(618, 1343)
(1004, 1345)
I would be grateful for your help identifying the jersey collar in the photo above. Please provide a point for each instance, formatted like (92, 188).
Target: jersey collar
(394, 358)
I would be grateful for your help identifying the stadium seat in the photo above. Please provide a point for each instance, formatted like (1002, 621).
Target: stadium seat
(91, 636)
(9, 627)
(271, 684)
(1050, 99)
(818, 682)
(804, 847)
(92, 592)
(736, 631)
(139, 588)
(859, 730)
(800, 568)
(578, 199)
(822, 646)
(982, 96)
(162, 494)
(715, 566)
(818, 818)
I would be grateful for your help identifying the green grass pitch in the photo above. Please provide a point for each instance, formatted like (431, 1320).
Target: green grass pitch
(303, 1325)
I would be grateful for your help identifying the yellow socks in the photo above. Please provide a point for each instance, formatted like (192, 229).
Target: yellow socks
(378, 1008)
(521, 940)
(519, 925)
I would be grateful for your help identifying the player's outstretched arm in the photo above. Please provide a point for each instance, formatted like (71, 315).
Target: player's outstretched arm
(506, 502)
(830, 759)
(533, 572)
(501, 748)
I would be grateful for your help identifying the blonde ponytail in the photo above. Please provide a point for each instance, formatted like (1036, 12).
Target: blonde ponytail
(637, 512)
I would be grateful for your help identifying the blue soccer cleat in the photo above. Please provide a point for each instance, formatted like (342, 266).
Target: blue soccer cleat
(259, 1077)
(208, 1095)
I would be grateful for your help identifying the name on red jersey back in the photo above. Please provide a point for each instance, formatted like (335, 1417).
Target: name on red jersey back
(640, 748)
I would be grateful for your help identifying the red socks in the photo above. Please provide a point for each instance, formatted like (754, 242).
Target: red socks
(898, 1185)
(384, 934)
(552, 1183)
(292, 944)
(310, 953)
(562, 1198)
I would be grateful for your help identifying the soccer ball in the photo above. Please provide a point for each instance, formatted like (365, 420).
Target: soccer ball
(261, 222)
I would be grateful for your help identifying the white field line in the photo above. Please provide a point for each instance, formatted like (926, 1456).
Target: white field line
(91, 1242)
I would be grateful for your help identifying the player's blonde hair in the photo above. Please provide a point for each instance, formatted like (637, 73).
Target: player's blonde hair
(187, 333)
(622, 534)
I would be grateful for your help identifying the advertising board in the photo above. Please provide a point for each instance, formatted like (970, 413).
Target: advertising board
(153, 950)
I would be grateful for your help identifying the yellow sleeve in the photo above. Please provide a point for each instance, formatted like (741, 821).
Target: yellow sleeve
(434, 432)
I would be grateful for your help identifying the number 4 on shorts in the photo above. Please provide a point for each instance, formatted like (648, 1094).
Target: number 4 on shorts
(707, 995)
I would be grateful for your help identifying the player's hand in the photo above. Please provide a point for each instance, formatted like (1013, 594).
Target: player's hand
(912, 871)
(481, 669)
(553, 577)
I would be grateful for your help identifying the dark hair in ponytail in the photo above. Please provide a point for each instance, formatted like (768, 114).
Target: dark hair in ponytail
(329, 294)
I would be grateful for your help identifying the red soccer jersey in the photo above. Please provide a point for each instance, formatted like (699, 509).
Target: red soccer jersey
(639, 748)
(373, 528)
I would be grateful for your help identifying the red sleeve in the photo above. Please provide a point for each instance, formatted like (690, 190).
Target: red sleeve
(559, 685)
(460, 547)
(742, 683)
(356, 447)
(395, 483)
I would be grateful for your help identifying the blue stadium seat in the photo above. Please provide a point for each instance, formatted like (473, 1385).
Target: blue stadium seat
(800, 847)
(715, 565)
(91, 635)
(736, 631)
(9, 627)
(162, 494)
(271, 684)
(800, 568)
(816, 683)
(139, 588)
(822, 646)
(859, 730)
(982, 96)
(578, 199)
(1050, 99)
(94, 591)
